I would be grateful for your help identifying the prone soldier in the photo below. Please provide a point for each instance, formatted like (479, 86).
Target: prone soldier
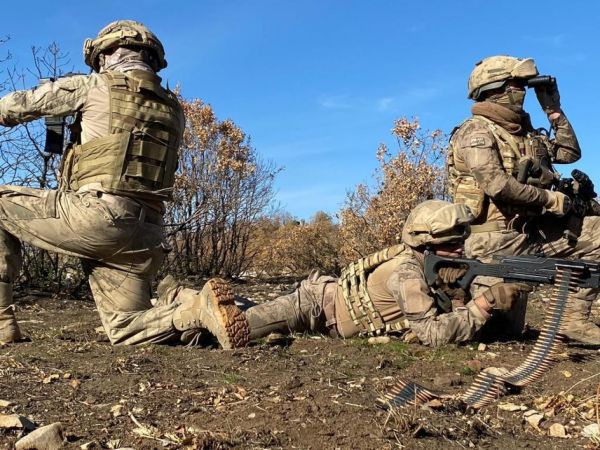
(387, 291)
(502, 168)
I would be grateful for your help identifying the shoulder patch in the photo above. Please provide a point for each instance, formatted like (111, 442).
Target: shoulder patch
(478, 141)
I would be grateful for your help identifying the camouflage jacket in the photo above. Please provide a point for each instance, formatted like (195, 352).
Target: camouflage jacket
(67, 95)
(398, 290)
(486, 167)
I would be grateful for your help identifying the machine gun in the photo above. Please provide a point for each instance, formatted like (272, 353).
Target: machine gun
(529, 269)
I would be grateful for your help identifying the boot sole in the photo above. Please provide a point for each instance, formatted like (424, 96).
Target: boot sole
(221, 317)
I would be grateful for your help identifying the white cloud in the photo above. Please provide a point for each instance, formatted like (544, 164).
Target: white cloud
(384, 103)
(335, 102)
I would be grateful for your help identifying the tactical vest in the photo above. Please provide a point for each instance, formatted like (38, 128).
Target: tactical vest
(139, 156)
(353, 282)
(514, 152)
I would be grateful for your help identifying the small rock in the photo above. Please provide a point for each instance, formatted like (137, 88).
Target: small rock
(251, 415)
(447, 380)
(475, 365)
(49, 437)
(566, 373)
(591, 431)
(75, 384)
(481, 347)
(557, 430)
(5, 403)
(533, 418)
(497, 371)
(378, 340)
(15, 421)
(511, 407)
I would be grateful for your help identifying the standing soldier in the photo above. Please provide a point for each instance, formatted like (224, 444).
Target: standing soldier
(114, 180)
(501, 167)
(387, 291)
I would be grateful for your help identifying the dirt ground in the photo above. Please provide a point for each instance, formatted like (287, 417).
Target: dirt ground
(305, 393)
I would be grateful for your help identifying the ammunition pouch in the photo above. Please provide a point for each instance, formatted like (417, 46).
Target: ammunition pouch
(361, 308)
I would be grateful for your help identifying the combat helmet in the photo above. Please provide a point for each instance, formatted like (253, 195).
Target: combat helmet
(123, 33)
(493, 72)
(436, 222)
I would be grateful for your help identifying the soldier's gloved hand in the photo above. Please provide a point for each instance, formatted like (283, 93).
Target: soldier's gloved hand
(449, 275)
(558, 203)
(501, 296)
(549, 97)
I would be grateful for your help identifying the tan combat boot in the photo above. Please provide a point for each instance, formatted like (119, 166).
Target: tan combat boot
(9, 330)
(214, 309)
(578, 326)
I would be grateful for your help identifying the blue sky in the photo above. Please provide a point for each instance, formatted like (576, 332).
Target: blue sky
(317, 84)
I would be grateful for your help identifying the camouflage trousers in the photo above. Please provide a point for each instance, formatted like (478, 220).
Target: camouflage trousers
(547, 238)
(317, 305)
(120, 245)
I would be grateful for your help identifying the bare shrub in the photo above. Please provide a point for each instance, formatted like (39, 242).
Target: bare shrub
(372, 217)
(285, 246)
(222, 188)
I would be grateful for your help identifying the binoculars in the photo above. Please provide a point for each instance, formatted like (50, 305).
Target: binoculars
(541, 80)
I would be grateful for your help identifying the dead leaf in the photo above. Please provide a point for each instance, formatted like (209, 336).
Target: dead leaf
(49, 379)
(591, 431)
(566, 373)
(117, 410)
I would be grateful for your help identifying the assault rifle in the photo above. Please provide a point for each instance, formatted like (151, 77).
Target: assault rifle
(580, 190)
(528, 269)
(55, 125)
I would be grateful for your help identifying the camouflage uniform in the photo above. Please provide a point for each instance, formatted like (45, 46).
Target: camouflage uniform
(511, 218)
(113, 184)
(393, 297)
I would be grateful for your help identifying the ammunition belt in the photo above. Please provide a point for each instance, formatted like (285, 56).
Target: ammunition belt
(487, 387)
